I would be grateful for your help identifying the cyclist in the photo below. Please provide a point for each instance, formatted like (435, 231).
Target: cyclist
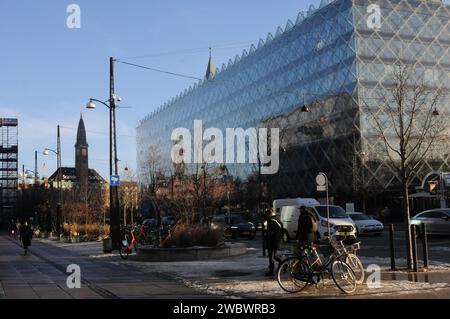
(274, 231)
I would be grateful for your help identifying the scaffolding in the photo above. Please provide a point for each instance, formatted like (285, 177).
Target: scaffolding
(8, 169)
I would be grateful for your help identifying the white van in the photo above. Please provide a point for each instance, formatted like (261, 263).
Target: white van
(280, 203)
(340, 223)
(289, 220)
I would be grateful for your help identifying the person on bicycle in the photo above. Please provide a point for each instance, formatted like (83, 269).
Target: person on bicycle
(274, 231)
(307, 227)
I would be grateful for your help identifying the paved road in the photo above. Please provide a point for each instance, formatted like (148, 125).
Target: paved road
(42, 275)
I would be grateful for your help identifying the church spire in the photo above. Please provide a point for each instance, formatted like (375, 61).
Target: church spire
(81, 158)
(81, 133)
(211, 69)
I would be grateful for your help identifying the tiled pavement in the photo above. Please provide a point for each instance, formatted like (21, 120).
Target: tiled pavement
(42, 275)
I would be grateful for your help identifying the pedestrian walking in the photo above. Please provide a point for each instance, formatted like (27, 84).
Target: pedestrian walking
(274, 231)
(307, 227)
(25, 235)
(17, 230)
(11, 228)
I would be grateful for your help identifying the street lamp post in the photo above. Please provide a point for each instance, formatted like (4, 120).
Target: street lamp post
(59, 208)
(114, 203)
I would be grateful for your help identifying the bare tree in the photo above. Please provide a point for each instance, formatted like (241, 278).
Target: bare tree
(408, 128)
(129, 194)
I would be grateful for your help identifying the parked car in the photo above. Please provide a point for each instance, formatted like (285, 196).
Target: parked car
(149, 224)
(340, 223)
(168, 221)
(234, 226)
(366, 225)
(437, 221)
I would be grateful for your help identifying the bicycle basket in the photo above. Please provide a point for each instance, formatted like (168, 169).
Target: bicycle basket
(337, 245)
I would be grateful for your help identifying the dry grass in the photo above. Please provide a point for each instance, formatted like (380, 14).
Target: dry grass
(92, 230)
(184, 236)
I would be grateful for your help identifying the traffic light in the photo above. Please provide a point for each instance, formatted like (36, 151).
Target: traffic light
(434, 186)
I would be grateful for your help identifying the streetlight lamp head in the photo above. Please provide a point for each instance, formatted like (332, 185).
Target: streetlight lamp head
(436, 112)
(305, 109)
(91, 105)
(45, 152)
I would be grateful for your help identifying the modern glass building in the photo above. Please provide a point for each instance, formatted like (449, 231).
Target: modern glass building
(339, 59)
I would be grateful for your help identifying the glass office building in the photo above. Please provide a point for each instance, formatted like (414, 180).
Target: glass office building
(338, 59)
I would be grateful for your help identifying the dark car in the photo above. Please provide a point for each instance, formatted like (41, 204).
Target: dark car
(149, 224)
(234, 226)
(168, 221)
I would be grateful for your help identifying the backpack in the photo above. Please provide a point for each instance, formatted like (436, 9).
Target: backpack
(307, 223)
(314, 224)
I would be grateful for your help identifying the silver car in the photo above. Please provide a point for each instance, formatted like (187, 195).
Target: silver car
(437, 221)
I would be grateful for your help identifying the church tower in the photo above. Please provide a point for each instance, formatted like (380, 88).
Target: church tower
(81, 158)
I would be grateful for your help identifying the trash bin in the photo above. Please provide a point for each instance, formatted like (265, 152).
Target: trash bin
(107, 245)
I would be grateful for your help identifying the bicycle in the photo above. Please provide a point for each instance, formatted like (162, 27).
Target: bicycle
(350, 258)
(128, 242)
(296, 273)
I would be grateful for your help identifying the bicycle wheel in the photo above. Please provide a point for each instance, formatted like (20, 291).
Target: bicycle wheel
(343, 276)
(289, 273)
(356, 265)
(124, 252)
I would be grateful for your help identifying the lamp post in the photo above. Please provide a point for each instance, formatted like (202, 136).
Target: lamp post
(59, 208)
(114, 204)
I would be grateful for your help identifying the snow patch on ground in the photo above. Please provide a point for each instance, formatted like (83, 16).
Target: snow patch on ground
(243, 276)
(266, 288)
(385, 263)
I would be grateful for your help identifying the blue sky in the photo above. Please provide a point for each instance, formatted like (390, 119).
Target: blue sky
(49, 71)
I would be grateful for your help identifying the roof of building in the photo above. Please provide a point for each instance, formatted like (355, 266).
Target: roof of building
(69, 175)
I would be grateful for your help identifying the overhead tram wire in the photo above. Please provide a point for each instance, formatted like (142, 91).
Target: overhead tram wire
(229, 46)
(97, 132)
(159, 70)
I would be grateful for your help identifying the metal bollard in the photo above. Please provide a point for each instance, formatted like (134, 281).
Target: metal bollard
(264, 241)
(414, 247)
(392, 247)
(425, 246)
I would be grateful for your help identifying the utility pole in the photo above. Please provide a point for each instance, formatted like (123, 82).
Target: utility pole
(442, 191)
(114, 204)
(59, 207)
(23, 177)
(35, 168)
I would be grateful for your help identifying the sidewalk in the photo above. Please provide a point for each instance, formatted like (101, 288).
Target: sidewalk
(28, 277)
(243, 276)
(42, 275)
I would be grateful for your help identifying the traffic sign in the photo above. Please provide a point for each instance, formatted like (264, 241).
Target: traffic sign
(321, 181)
(114, 180)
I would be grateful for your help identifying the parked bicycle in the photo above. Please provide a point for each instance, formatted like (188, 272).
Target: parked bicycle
(128, 242)
(350, 257)
(306, 268)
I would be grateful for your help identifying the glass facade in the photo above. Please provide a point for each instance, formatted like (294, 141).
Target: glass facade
(335, 59)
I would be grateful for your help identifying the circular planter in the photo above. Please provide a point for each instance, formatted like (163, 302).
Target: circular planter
(189, 254)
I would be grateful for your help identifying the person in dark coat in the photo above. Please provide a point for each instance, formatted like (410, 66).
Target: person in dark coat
(307, 227)
(25, 236)
(274, 231)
